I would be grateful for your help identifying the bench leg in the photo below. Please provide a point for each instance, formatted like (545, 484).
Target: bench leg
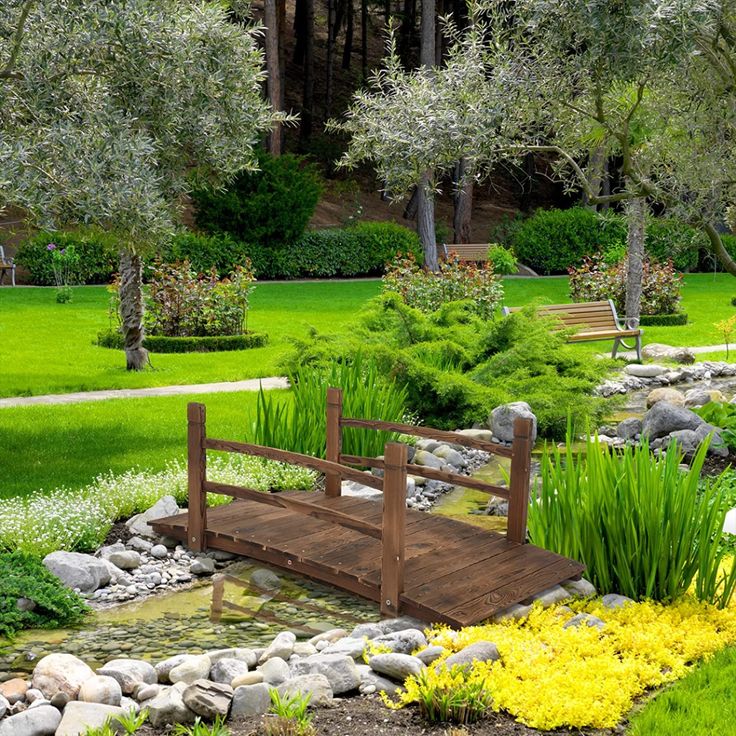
(12, 275)
(638, 347)
(616, 343)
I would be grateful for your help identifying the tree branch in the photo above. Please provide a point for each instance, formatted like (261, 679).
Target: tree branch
(7, 71)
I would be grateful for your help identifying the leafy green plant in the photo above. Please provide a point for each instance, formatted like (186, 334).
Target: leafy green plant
(642, 526)
(723, 416)
(503, 259)
(132, 720)
(53, 605)
(292, 717)
(200, 728)
(452, 696)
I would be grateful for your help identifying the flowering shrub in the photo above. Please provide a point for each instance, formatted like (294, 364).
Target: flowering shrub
(184, 304)
(550, 677)
(456, 281)
(596, 280)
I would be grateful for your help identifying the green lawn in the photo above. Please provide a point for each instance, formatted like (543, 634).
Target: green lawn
(46, 447)
(47, 347)
(701, 704)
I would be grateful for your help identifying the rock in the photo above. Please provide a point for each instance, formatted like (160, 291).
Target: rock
(579, 588)
(481, 651)
(32, 695)
(348, 646)
(145, 692)
(658, 351)
(125, 559)
(25, 605)
(159, 551)
(208, 699)
(317, 686)
(426, 444)
(514, 612)
(164, 668)
(428, 460)
(503, 417)
(664, 418)
(140, 545)
(202, 566)
(79, 717)
(629, 428)
(687, 441)
(671, 395)
(242, 654)
(331, 636)
(304, 649)
(60, 673)
(59, 700)
(129, 673)
(78, 571)
(282, 646)
(40, 721)
(614, 600)
(584, 619)
(339, 669)
(190, 670)
(403, 642)
(168, 708)
(371, 682)
(226, 670)
(274, 671)
(138, 524)
(396, 666)
(430, 654)
(250, 700)
(4, 706)
(645, 371)
(265, 579)
(249, 678)
(697, 397)
(555, 594)
(101, 689)
(478, 434)
(117, 576)
(450, 456)
(14, 690)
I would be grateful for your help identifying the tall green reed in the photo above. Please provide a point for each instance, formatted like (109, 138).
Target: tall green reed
(300, 425)
(642, 525)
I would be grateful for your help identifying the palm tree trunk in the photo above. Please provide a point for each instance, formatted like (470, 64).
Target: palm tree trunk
(131, 309)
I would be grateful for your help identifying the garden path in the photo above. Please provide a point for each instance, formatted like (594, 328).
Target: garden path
(252, 384)
(631, 355)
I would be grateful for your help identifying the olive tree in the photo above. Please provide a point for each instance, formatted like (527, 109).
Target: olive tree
(107, 108)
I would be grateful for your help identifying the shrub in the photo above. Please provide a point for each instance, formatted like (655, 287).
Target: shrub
(205, 252)
(24, 576)
(202, 344)
(502, 259)
(181, 304)
(722, 416)
(381, 242)
(640, 525)
(457, 281)
(663, 320)
(270, 206)
(96, 250)
(669, 239)
(595, 280)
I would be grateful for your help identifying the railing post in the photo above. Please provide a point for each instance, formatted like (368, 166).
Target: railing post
(521, 464)
(333, 481)
(197, 474)
(394, 528)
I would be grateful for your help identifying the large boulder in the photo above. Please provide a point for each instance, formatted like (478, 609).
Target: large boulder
(658, 351)
(168, 708)
(645, 371)
(664, 418)
(138, 524)
(316, 686)
(396, 666)
(250, 700)
(190, 669)
(78, 717)
(101, 689)
(479, 651)
(42, 720)
(78, 571)
(671, 395)
(628, 429)
(226, 670)
(403, 642)
(339, 669)
(61, 673)
(503, 417)
(208, 699)
(282, 646)
(129, 673)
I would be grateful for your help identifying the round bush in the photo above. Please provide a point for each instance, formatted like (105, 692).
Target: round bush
(205, 251)
(270, 206)
(383, 241)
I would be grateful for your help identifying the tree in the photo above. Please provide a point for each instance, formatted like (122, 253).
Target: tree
(108, 106)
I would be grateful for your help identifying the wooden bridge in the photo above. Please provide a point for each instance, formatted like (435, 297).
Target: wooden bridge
(424, 565)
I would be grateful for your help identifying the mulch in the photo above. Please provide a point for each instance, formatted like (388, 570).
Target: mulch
(118, 533)
(715, 465)
(361, 716)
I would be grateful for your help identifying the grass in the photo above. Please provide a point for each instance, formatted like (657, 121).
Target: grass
(45, 447)
(698, 705)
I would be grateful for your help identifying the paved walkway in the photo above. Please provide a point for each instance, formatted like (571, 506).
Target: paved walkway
(252, 384)
(631, 354)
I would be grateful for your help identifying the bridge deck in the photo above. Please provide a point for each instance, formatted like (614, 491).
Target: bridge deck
(455, 573)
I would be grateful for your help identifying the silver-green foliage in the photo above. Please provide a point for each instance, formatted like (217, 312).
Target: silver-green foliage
(642, 526)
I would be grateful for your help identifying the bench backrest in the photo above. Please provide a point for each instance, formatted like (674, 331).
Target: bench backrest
(464, 251)
(3, 260)
(594, 316)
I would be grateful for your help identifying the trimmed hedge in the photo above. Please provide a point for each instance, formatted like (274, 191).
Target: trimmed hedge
(663, 320)
(208, 344)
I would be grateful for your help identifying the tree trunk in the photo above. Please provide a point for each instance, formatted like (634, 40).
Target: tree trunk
(636, 221)
(406, 31)
(349, 30)
(300, 27)
(307, 116)
(463, 201)
(364, 39)
(331, 31)
(719, 250)
(131, 309)
(425, 222)
(273, 66)
(597, 169)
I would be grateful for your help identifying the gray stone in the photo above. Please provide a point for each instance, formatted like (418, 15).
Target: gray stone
(396, 666)
(59, 700)
(332, 635)
(351, 647)
(249, 678)
(426, 444)
(60, 672)
(40, 721)
(339, 669)
(34, 694)
(580, 588)
(664, 418)
(4, 706)
(371, 682)
(304, 649)
(101, 689)
(629, 428)
(78, 571)
(282, 646)
(428, 460)
(584, 619)
(697, 397)
(478, 434)
(403, 642)
(226, 670)
(555, 594)
(671, 395)
(126, 559)
(317, 686)
(686, 440)
(265, 579)
(25, 605)
(164, 668)
(430, 654)
(481, 651)
(159, 551)
(514, 612)
(140, 545)
(242, 654)
(129, 673)
(650, 370)
(614, 600)
(79, 717)
(450, 456)
(658, 351)
(145, 692)
(138, 524)
(369, 631)
(117, 576)
(190, 670)
(250, 700)
(208, 699)
(503, 417)
(202, 566)
(168, 708)
(717, 446)
(274, 671)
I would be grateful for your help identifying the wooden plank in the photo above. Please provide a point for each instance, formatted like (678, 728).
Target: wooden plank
(196, 476)
(464, 481)
(394, 528)
(333, 480)
(521, 463)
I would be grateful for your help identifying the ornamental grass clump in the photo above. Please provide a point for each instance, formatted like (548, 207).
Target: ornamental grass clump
(642, 526)
(454, 695)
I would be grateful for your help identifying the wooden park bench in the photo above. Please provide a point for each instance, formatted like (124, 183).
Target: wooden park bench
(594, 321)
(477, 252)
(6, 265)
